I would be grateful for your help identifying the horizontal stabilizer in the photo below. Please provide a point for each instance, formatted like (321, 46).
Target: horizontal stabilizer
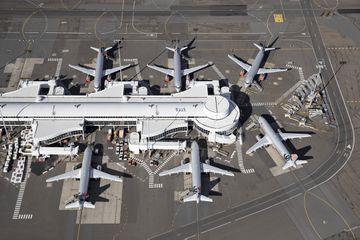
(87, 71)
(206, 168)
(197, 198)
(240, 62)
(269, 49)
(170, 49)
(194, 69)
(95, 49)
(261, 47)
(99, 174)
(78, 205)
(292, 163)
(174, 49)
(167, 71)
(183, 48)
(71, 174)
(115, 69)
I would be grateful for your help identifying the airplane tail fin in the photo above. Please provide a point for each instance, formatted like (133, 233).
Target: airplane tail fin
(197, 198)
(261, 47)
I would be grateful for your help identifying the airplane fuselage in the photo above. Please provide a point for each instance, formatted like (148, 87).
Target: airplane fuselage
(254, 68)
(85, 173)
(177, 69)
(274, 138)
(99, 70)
(196, 167)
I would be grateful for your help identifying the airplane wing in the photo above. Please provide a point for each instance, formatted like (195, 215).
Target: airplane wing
(71, 174)
(206, 168)
(240, 63)
(99, 174)
(271, 70)
(286, 136)
(115, 69)
(194, 69)
(262, 142)
(87, 71)
(169, 72)
(185, 168)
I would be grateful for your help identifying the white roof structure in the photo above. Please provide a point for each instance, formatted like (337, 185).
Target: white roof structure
(210, 113)
(135, 145)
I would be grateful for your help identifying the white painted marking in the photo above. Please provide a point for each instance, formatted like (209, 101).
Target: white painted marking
(232, 154)
(21, 192)
(219, 226)
(218, 72)
(241, 160)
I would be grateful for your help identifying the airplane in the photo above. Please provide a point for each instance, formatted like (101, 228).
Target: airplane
(254, 69)
(177, 73)
(99, 72)
(196, 168)
(84, 174)
(271, 137)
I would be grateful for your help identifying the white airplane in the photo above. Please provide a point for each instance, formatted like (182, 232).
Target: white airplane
(99, 72)
(177, 72)
(84, 174)
(196, 168)
(254, 69)
(271, 137)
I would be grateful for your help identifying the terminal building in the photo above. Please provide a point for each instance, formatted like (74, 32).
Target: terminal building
(53, 115)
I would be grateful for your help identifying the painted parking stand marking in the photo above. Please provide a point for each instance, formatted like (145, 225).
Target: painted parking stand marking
(137, 67)
(58, 67)
(151, 173)
(241, 160)
(259, 104)
(218, 72)
(21, 192)
(165, 162)
(25, 216)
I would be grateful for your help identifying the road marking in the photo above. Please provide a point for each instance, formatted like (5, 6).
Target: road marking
(137, 67)
(165, 162)
(21, 191)
(58, 67)
(218, 72)
(258, 104)
(241, 160)
(219, 226)
(151, 180)
(25, 216)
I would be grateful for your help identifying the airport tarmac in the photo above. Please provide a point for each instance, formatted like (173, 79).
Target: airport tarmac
(38, 43)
